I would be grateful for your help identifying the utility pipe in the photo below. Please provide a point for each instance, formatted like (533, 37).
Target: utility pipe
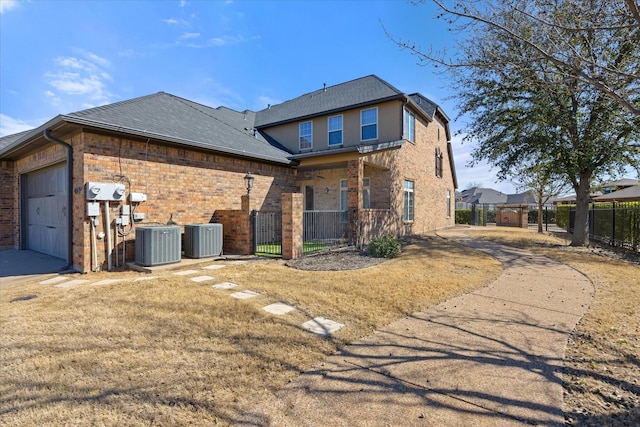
(107, 219)
(94, 246)
(48, 137)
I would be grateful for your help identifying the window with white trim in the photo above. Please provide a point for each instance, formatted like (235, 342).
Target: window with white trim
(335, 130)
(409, 125)
(344, 199)
(366, 193)
(448, 203)
(369, 124)
(306, 135)
(408, 201)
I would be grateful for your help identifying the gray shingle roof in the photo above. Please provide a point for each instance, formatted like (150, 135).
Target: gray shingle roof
(482, 195)
(359, 92)
(425, 104)
(168, 117)
(629, 193)
(7, 140)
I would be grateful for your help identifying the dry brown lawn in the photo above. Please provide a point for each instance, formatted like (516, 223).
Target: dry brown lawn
(170, 351)
(602, 364)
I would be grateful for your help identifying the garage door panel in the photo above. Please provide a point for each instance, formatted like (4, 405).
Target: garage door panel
(47, 208)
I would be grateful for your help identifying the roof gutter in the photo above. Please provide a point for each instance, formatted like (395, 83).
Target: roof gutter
(47, 135)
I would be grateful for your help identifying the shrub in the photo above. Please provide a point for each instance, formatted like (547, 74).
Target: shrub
(384, 247)
(463, 216)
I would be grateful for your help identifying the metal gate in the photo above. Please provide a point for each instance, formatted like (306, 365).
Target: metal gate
(325, 230)
(267, 233)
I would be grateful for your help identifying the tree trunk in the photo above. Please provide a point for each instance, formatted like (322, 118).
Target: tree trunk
(540, 195)
(581, 225)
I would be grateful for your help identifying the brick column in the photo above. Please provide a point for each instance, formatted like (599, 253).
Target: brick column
(524, 218)
(355, 174)
(292, 227)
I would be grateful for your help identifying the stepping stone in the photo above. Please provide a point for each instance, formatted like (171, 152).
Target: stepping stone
(140, 279)
(185, 272)
(278, 308)
(225, 285)
(72, 283)
(237, 262)
(201, 278)
(213, 267)
(244, 294)
(53, 280)
(105, 282)
(322, 326)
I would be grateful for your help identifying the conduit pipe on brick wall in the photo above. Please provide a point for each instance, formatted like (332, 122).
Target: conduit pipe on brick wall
(47, 135)
(107, 219)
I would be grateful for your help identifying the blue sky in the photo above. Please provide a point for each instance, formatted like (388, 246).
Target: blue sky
(62, 56)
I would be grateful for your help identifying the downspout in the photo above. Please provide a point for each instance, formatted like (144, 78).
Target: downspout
(47, 136)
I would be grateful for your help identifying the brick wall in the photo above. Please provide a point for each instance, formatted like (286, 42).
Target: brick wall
(8, 206)
(185, 186)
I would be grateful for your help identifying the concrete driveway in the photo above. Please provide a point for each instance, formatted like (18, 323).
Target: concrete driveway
(20, 266)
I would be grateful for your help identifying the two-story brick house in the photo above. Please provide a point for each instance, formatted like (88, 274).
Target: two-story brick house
(363, 147)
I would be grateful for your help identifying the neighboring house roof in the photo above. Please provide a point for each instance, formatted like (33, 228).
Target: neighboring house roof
(624, 182)
(482, 195)
(627, 194)
(526, 198)
(360, 92)
(477, 195)
(166, 117)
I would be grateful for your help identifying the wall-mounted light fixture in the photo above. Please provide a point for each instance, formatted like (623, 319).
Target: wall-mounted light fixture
(248, 180)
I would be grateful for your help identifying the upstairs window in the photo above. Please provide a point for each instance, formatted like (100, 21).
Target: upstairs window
(438, 163)
(306, 135)
(369, 124)
(335, 130)
(409, 125)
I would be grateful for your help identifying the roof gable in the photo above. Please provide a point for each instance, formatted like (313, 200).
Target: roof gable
(359, 92)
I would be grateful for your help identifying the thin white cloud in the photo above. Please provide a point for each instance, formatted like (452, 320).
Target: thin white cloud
(189, 36)
(170, 21)
(80, 76)
(9, 125)
(7, 5)
(53, 98)
(226, 40)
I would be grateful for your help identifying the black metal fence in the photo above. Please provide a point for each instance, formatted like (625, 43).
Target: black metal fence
(324, 230)
(267, 233)
(615, 224)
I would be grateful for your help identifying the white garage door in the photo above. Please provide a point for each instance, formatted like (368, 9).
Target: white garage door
(47, 210)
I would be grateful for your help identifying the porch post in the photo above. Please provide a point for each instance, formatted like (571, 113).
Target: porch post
(355, 173)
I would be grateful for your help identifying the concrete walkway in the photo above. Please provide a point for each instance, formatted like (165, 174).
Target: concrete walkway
(492, 357)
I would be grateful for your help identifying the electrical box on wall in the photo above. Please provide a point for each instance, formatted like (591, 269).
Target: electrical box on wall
(105, 191)
(93, 209)
(137, 197)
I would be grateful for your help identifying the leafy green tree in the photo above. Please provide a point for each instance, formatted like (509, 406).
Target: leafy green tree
(549, 79)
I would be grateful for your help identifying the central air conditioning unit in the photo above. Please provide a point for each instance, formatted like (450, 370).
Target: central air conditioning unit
(202, 240)
(158, 245)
